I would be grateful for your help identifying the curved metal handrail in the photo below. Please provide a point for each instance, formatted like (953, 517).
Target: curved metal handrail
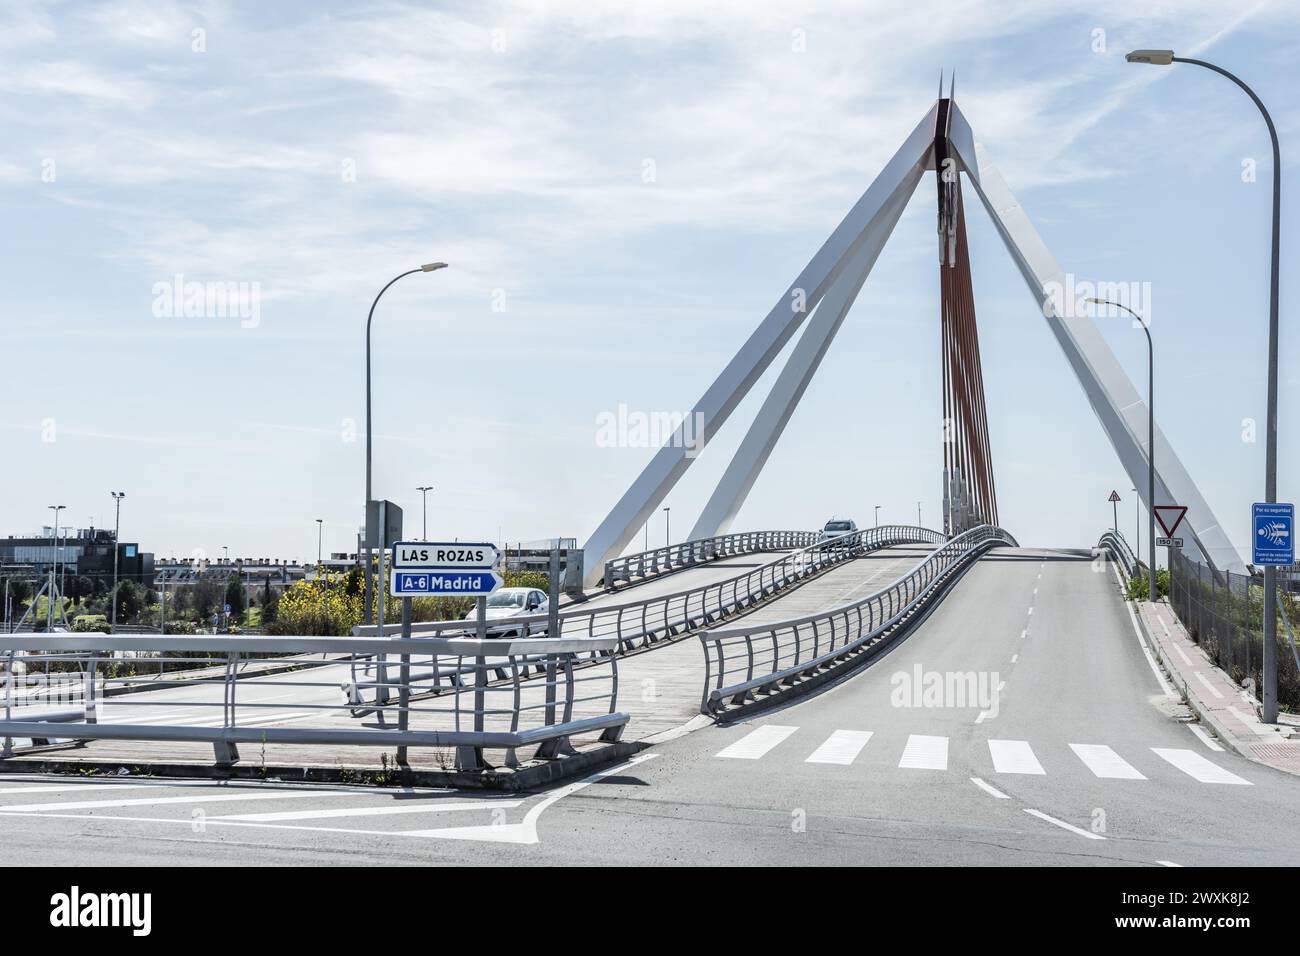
(648, 564)
(639, 623)
(1113, 541)
(781, 652)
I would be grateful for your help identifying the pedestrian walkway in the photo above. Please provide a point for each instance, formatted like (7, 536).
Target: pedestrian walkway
(1228, 711)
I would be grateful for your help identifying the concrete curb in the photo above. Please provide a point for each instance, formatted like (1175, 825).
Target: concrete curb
(533, 776)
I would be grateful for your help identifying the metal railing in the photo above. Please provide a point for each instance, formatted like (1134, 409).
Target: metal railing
(763, 658)
(436, 693)
(1114, 542)
(674, 557)
(642, 623)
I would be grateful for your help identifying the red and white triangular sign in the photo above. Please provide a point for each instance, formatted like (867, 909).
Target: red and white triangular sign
(1170, 517)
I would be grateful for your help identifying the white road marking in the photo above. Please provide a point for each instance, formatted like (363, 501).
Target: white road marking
(1146, 651)
(841, 747)
(1105, 763)
(1035, 592)
(1205, 738)
(989, 789)
(925, 753)
(1163, 625)
(1024, 634)
(1180, 652)
(1065, 826)
(160, 801)
(406, 806)
(1014, 658)
(525, 832)
(1031, 610)
(1014, 756)
(1207, 685)
(757, 742)
(1170, 863)
(1197, 767)
(98, 786)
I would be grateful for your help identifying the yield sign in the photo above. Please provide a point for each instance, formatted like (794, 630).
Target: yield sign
(1114, 496)
(1174, 517)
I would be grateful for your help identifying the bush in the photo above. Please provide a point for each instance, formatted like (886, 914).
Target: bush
(1138, 587)
(89, 624)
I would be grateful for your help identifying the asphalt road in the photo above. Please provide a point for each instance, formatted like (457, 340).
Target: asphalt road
(1078, 760)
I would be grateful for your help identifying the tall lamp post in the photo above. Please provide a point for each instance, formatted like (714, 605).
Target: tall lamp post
(427, 267)
(54, 575)
(1165, 58)
(877, 516)
(424, 501)
(668, 538)
(117, 528)
(1151, 443)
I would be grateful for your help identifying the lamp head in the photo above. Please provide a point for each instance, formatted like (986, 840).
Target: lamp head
(1155, 57)
(433, 266)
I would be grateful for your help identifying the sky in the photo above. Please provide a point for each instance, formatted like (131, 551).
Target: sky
(623, 190)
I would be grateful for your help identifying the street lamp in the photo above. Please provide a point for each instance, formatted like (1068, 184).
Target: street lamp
(1151, 442)
(918, 515)
(1164, 58)
(668, 538)
(877, 516)
(427, 267)
(54, 574)
(424, 495)
(320, 534)
(117, 528)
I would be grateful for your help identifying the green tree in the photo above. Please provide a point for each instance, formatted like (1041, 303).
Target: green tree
(236, 597)
(129, 600)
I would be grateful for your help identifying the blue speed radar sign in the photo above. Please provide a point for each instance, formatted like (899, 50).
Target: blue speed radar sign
(1273, 533)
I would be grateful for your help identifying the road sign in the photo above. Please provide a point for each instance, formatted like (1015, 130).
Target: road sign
(445, 555)
(1114, 496)
(458, 583)
(1273, 533)
(1169, 542)
(1170, 517)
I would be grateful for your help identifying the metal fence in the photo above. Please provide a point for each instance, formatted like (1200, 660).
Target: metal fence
(646, 564)
(641, 623)
(464, 696)
(766, 658)
(1223, 611)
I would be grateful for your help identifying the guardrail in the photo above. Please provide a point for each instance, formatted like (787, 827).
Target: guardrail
(642, 623)
(1113, 542)
(744, 661)
(674, 557)
(539, 697)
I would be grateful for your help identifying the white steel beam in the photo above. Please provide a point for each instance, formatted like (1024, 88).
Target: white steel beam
(764, 344)
(804, 360)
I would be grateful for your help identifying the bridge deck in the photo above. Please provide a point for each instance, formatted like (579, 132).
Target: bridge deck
(659, 687)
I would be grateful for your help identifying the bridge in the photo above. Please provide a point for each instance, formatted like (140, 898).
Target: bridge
(893, 694)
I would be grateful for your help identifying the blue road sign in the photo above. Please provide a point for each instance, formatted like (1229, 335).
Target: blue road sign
(1273, 533)
(462, 583)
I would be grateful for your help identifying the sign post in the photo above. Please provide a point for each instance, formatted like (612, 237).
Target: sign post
(1114, 500)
